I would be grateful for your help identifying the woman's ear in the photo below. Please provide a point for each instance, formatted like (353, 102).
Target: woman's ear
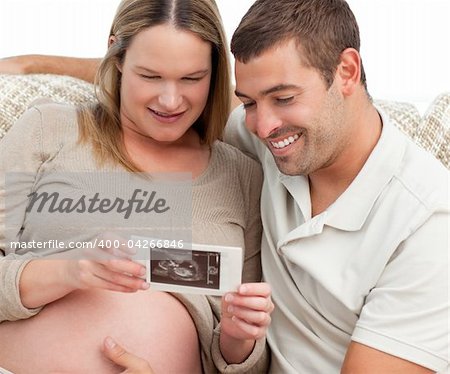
(349, 71)
(111, 41)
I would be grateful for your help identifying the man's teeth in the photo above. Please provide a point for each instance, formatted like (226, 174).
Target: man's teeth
(284, 143)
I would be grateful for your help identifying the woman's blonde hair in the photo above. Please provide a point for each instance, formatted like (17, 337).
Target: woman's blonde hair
(100, 123)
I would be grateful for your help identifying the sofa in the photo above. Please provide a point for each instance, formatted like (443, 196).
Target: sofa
(431, 131)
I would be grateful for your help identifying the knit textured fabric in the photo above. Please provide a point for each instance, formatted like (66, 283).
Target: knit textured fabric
(17, 92)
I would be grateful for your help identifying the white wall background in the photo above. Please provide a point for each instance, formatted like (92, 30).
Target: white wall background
(405, 43)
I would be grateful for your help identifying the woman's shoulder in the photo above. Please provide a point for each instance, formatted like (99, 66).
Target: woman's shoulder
(235, 156)
(43, 123)
(232, 160)
(58, 121)
(51, 112)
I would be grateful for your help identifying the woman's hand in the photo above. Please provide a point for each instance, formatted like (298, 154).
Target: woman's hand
(130, 362)
(245, 318)
(105, 267)
(48, 279)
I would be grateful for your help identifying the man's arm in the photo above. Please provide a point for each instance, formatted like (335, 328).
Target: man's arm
(362, 359)
(82, 68)
(406, 314)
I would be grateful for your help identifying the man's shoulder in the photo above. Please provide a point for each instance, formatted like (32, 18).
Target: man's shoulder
(424, 176)
(235, 128)
(237, 115)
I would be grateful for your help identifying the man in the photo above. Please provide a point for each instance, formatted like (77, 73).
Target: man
(355, 215)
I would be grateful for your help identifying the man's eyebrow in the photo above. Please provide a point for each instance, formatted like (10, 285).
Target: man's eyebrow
(280, 87)
(277, 88)
(240, 94)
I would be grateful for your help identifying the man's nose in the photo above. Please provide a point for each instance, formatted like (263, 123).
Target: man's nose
(263, 122)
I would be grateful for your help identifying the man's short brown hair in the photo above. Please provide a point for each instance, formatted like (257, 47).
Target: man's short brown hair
(323, 29)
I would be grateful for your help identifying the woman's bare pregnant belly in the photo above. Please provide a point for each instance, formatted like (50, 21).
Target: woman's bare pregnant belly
(67, 335)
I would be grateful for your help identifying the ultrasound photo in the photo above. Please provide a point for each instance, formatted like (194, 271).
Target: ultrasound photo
(185, 268)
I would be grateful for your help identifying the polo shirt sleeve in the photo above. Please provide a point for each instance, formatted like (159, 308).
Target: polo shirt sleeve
(238, 136)
(407, 313)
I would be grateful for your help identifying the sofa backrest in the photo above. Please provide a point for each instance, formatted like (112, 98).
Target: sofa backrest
(17, 92)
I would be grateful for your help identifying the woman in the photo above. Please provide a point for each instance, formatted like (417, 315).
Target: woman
(163, 102)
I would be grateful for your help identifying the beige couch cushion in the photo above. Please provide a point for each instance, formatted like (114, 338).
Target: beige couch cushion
(433, 133)
(17, 92)
(404, 115)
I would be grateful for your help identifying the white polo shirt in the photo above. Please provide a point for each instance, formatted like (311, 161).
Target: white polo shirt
(372, 268)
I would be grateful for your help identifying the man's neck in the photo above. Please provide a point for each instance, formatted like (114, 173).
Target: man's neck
(327, 184)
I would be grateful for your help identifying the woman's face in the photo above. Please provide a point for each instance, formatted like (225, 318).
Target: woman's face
(166, 76)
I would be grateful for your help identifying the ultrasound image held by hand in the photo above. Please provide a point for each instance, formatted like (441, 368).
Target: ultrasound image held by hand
(185, 268)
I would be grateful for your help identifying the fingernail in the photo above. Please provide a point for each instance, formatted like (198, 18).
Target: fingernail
(229, 298)
(145, 286)
(230, 309)
(110, 343)
(143, 271)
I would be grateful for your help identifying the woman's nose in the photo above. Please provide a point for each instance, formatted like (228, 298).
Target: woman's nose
(170, 99)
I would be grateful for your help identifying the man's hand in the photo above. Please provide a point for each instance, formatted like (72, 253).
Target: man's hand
(81, 68)
(16, 65)
(131, 363)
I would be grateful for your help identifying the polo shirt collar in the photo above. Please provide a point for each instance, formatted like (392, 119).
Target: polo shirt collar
(351, 209)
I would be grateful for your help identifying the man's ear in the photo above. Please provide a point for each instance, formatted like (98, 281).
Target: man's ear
(349, 71)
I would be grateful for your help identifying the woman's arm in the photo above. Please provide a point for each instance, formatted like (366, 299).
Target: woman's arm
(45, 280)
(82, 68)
(19, 153)
(240, 336)
(27, 281)
(245, 319)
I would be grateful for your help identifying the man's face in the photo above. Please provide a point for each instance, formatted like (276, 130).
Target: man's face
(289, 107)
